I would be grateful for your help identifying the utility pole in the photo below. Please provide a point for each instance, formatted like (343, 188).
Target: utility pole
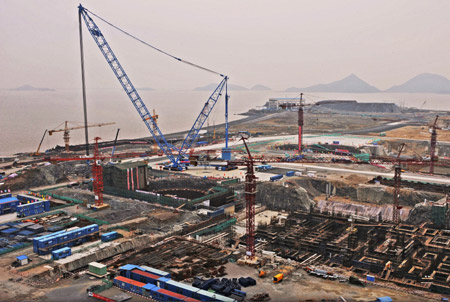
(83, 81)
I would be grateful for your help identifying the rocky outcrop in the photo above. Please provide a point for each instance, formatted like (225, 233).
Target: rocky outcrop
(278, 197)
(40, 176)
(420, 213)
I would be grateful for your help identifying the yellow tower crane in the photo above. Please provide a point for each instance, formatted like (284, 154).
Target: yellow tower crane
(66, 130)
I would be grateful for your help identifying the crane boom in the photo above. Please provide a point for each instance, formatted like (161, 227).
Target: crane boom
(144, 113)
(42, 139)
(126, 83)
(50, 132)
(207, 108)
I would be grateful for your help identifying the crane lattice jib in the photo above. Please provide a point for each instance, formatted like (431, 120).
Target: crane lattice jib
(127, 85)
(193, 133)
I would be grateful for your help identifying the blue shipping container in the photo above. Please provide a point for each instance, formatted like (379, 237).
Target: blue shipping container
(290, 173)
(109, 236)
(276, 177)
(61, 253)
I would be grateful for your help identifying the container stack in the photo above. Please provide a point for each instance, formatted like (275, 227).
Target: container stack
(8, 203)
(33, 208)
(44, 245)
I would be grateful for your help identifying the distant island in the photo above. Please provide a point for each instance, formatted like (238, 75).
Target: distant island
(423, 83)
(260, 88)
(213, 86)
(31, 88)
(350, 84)
(232, 87)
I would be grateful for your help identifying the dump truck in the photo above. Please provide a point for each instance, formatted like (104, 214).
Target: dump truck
(277, 278)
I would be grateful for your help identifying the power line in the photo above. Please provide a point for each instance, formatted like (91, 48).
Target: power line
(155, 48)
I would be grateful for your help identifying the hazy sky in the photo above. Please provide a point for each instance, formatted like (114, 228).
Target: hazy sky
(275, 43)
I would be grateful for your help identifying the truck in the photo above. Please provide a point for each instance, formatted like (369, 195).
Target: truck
(277, 278)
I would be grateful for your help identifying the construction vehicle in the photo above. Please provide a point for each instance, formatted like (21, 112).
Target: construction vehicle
(39, 147)
(262, 274)
(278, 278)
(174, 154)
(67, 129)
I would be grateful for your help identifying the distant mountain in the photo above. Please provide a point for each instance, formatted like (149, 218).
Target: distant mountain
(31, 88)
(350, 84)
(213, 86)
(425, 82)
(260, 88)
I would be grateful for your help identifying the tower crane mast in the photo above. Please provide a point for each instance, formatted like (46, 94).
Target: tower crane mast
(397, 184)
(433, 142)
(250, 194)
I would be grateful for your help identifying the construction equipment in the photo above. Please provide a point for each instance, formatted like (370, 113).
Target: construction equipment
(176, 210)
(174, 154)
(397, 184)
(433, 142)
(67, 129)
(250, 194)
(115, 142)
(155, 118)
(278, 278)
(97, 173)
(262, 274)
(39, 147)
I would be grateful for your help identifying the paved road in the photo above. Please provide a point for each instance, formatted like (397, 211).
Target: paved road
(408, 176)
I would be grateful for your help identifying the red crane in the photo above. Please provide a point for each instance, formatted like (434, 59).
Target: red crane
(97, 175)
(433, 142)
(397, 184)
(97, 172)
(250, 194)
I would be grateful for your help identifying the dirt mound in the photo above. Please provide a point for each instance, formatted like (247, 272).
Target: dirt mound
(36, 177)
(356, 179)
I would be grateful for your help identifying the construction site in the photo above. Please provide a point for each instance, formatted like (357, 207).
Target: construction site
(300, 200)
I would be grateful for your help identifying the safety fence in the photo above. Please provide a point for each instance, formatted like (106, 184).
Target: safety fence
(216, 228)
(106, 285)
(91, 219)
(150, 197)
(28, 267)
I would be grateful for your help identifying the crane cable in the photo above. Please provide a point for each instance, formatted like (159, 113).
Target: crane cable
(155, 48)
